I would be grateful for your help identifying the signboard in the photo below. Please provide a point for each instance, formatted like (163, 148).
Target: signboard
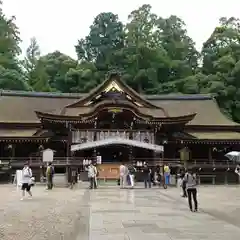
(99, 159)
(18, 179)
(47, 155)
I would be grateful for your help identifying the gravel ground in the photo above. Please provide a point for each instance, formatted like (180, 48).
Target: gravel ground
(54, 215)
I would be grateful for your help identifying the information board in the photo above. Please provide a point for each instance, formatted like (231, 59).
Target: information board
(48, 155)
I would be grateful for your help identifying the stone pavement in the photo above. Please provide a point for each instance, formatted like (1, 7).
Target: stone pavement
(125, 214)
(162, 214)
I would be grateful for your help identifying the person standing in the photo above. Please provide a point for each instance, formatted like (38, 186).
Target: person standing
(237, 171)
(191, 184)
(183, 183)
(123, 172)
(26, 180)
(132, 171)
(146, 175)
(92, 174)
(73, 177)
(49, 176)
(167, 172)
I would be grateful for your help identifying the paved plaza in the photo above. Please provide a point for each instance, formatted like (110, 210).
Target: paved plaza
(109, 213)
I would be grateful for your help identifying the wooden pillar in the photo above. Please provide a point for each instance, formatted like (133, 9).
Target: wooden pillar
(226, 177)
(154, 141)
(68, 153)
(95, 139)
(210, 159)
(130, 153)
(69, 141)
(13, 151)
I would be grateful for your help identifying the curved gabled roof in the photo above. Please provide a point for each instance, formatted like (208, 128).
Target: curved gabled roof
(20, 107)
(113, 78)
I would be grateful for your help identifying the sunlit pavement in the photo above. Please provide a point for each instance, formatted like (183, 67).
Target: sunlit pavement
(113, 213)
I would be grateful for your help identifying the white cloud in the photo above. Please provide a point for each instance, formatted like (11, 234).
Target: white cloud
(58, 24)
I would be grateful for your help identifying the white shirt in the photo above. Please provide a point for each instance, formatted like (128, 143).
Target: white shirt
(123, 170)
(26, 175)
(92, 171)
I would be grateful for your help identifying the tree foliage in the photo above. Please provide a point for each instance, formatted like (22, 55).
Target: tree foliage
(154, 55)
(11, 75)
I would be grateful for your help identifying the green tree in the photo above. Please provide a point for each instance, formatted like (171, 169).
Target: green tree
(11, 73)
(105, 37)
(30, 62)
(221, 64)
(83, 78)
(56, 65)
(183, 57)
(143, 56)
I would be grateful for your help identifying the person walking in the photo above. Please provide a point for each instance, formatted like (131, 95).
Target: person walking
(26, 180)
(146, 175)
(191, 184)
(123, 172)
(132, 171)
(49, 176)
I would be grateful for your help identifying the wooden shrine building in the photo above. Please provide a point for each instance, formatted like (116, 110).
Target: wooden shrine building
(191, 128)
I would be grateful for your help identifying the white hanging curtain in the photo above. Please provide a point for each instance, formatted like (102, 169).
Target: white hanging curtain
(117, 141)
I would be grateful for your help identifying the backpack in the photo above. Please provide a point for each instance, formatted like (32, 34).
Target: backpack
(132, 170)
(50, 170)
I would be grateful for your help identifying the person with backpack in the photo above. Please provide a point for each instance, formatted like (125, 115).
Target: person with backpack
(26, 180)
(191, 183)
(49, 176)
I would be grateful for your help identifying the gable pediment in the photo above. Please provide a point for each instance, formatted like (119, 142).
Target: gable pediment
(113, 89)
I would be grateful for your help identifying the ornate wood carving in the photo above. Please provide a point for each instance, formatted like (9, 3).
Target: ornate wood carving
(108, 134)
(144, 136)
(82, 136)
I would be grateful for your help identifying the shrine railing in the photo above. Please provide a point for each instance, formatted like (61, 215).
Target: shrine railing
(174, 162)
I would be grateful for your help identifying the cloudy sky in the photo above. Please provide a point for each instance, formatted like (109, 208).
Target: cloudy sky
(57, 24)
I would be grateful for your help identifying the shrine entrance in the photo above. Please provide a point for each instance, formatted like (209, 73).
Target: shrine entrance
(112, 156)
(113, 152)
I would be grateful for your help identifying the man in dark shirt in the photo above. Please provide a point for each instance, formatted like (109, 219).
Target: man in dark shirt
(146, 175)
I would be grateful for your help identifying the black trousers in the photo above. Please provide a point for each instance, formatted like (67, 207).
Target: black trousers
(93, 183)
(147, 181)
(192, 194)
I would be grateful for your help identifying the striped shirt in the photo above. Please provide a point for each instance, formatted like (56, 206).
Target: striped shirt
(191, 180)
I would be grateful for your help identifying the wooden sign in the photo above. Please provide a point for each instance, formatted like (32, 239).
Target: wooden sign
(47, 155)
